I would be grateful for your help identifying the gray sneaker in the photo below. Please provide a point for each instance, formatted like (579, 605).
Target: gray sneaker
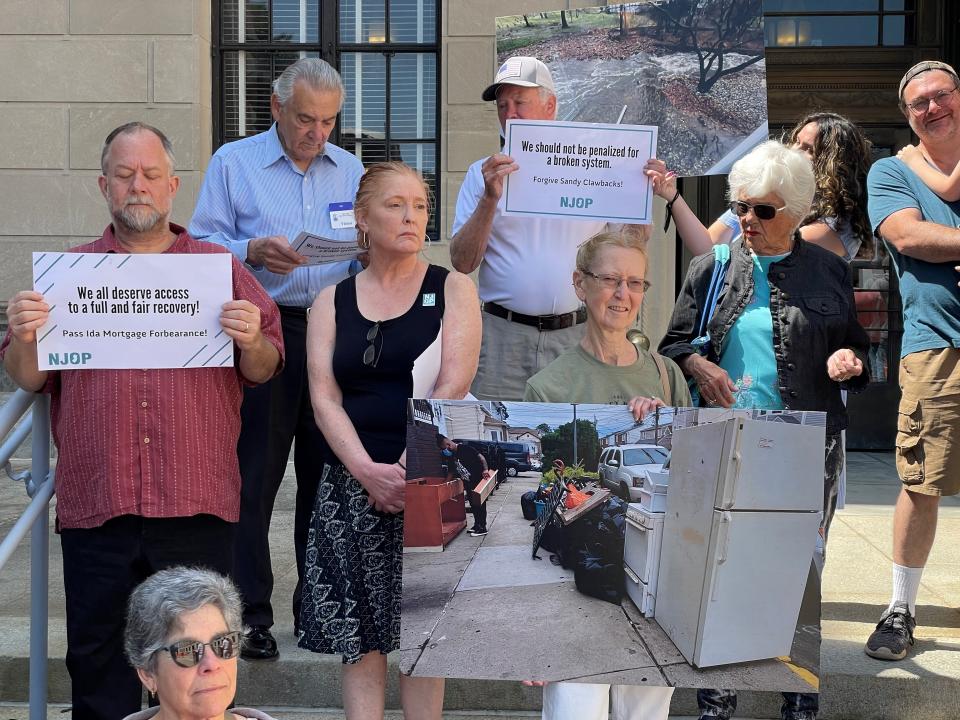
(894, 634)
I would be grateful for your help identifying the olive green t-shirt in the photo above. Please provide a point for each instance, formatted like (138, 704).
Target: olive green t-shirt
(577, 376)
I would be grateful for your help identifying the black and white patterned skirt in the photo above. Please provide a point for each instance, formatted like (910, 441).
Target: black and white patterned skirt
(352, 574)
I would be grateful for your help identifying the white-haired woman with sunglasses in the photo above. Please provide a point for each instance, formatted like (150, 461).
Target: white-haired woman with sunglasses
(183, 636)
(783, 332)
(401, 328)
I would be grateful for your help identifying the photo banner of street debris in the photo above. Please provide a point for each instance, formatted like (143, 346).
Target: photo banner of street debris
(695, 68)
(569, 542)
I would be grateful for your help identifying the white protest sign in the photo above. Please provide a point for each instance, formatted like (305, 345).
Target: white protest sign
(116, 311)
(586, 171)
(321, 250)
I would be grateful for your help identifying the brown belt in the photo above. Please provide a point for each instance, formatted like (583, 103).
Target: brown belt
(541, 322)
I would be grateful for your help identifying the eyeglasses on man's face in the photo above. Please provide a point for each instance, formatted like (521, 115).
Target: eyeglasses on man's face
(763, 211)
(188, 653)
(922, 105)
(612, 282)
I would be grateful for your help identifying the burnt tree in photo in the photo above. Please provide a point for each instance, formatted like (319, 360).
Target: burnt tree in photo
(715, 29)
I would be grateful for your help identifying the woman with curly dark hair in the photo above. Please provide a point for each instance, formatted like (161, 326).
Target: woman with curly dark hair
(838, 221)
(841, 158)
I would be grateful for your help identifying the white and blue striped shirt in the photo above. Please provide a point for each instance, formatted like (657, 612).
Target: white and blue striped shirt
(252, 190)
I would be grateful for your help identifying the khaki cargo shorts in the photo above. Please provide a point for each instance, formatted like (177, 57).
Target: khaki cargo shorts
(928, 423)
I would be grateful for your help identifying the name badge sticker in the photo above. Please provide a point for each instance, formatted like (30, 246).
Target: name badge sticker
(341, 216)
(429, 300)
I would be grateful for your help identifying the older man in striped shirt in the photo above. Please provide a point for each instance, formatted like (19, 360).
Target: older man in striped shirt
(257, 195)
(147, 474)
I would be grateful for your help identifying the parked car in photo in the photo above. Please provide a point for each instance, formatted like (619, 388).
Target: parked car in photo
(622, 468)
(516, 455)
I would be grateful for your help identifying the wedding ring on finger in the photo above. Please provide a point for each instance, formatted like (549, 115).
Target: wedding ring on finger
(246, 327)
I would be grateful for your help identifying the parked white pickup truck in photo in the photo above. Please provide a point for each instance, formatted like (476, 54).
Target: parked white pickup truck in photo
(631, 470)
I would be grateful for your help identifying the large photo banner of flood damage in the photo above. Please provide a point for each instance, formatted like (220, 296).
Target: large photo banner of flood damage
(695, 68)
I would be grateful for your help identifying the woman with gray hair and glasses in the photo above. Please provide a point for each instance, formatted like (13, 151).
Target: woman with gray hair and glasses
(183, 636)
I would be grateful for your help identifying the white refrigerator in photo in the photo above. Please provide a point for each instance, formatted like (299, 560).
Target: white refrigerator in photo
(743, 510)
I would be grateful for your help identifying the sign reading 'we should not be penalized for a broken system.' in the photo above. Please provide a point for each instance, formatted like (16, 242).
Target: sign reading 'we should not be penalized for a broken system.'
(585, 171)
(116, 311)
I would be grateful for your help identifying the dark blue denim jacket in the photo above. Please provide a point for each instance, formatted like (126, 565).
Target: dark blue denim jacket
(811, 302)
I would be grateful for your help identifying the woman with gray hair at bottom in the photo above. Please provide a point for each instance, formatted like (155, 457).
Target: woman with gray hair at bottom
(183, 636)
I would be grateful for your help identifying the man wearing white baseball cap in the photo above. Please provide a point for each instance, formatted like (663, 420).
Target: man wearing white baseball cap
(532, 313)
(522, 72)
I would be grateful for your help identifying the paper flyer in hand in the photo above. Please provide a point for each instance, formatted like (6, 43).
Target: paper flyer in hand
(321, 250)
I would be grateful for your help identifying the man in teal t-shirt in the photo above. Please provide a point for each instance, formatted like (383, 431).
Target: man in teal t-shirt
(921, 232)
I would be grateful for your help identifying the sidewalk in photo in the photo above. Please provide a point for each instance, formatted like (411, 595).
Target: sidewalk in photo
(508, 616)
(855, 591)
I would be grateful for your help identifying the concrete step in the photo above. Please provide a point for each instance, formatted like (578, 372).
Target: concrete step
(300, 679)
(62, 712)
(20, 711)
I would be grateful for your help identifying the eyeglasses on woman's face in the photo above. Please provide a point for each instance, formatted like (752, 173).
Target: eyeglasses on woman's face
(762, 211)
(612, 282)
(189, 653)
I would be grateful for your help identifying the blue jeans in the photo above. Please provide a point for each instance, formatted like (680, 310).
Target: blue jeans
(722, 704)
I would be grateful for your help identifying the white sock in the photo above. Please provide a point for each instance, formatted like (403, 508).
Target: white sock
(906, 585)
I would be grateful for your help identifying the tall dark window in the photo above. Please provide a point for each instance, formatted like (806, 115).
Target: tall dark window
(839, 23)
(387, 52)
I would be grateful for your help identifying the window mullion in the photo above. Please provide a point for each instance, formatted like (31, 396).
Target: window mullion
(387, 96)
(241, 69)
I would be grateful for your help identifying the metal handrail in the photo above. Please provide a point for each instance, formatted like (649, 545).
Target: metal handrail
(35, 519)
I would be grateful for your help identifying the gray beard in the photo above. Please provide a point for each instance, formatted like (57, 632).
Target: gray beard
(141, 222)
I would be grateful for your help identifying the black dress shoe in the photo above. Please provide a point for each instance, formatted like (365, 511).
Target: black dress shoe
(258, 644)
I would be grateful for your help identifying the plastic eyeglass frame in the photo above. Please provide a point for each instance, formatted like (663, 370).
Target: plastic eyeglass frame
(371, 356)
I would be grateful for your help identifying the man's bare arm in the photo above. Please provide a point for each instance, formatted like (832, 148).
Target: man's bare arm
(915, 237)
(470, 243)
(468, 246)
